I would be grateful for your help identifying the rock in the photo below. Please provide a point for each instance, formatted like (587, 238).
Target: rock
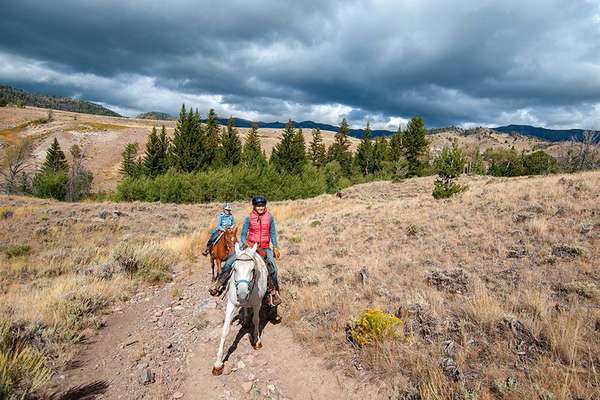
(522, 216)
(362, 275)
(250, 377)
(177, 308)
(271, 388)
(204, 305)
(177, 395)
(118, 214)
(104, 271)
(146, 376)
(247, 386)
(241, 365)
(143, 365)
(104, 214)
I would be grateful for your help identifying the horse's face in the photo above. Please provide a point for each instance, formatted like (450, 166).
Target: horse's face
(230, 237)
(243, 272)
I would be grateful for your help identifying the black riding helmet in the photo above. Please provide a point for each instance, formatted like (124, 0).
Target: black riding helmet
(259, 200)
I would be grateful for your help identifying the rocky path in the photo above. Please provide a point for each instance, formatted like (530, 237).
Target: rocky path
(162, 344)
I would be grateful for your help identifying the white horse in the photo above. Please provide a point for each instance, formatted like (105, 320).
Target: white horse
(247, 287)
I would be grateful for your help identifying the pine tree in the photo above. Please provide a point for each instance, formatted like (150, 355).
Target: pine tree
(187, 153)
(339, 150)
(285, 156)
(317, 151)
(252, 153)
(55, 159)
(130, 166)
(212, 139)
(364, 152)
(155, 157)
(414, 145)
(380, 153)
(232, 146)
(395, 147)
(449, 166)
(299, 147)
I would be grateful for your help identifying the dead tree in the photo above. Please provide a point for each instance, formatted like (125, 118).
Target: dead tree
(15, 160)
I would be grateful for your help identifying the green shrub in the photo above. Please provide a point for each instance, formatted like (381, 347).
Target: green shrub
(443, 191)
(3, 103)
(20, 103)
(15, 251)
(50, 184)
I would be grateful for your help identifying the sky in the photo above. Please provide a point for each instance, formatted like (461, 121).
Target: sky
(462, 63)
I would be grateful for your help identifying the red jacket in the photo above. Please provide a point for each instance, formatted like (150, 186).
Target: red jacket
(259, 229)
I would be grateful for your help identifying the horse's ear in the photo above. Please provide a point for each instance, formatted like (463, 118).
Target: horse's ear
(237, 248)
(253, 249)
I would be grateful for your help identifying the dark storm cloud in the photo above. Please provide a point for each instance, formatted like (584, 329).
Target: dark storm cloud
(466, 62)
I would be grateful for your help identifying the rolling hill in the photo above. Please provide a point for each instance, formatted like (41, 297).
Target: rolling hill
(13, 95)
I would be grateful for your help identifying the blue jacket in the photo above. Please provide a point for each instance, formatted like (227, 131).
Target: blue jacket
(225, 221)
(272, 231)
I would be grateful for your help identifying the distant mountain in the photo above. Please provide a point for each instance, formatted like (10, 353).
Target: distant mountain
(554, 135)
(12, 95)
(161, 116)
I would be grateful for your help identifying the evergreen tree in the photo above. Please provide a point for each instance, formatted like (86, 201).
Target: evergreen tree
(414, 145)
(212, 139)
(449, 166)
(339, 150)
(155, 157)
(130, 166)
(380, 153)
(299, 147)
(395, 147)
(55, 159)
(285, 156)
(187, 152)
(252, 153)
(364, 152)
(317, 151)
(232, 145)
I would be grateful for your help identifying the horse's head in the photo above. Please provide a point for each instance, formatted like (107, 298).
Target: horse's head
(243, 272)
(230, 236)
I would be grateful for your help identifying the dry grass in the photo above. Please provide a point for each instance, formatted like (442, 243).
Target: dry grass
(521, 317)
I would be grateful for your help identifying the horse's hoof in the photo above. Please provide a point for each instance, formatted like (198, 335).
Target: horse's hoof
(217, 371)
(257, 345)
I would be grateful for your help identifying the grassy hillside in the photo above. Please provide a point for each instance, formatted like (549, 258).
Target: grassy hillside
(498, 289)
(12, 95)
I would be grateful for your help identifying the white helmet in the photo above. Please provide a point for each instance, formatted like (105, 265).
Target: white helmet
(227, 206)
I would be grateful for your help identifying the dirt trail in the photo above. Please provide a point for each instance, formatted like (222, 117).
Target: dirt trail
(173, 331)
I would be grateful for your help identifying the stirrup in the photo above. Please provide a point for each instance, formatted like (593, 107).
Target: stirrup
(274, 298)
(205, 252)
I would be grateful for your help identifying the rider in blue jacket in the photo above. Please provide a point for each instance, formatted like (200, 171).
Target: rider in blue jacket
(225, 221)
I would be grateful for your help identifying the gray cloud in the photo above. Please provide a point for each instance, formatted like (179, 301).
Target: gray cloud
(454, 63)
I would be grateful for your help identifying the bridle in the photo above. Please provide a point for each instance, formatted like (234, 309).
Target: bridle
(250, 284)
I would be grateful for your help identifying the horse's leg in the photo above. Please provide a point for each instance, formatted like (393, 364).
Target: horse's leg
(219, 261)
(255, 321)
(218, 367)
(212, 266)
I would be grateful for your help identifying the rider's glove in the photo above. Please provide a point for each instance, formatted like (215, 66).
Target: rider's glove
(276, 252)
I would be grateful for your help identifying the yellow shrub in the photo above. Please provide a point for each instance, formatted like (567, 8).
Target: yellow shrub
(375, 326)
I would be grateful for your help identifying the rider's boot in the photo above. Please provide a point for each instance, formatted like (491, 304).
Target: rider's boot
(205, 252)
(216, 288)
(274, 298)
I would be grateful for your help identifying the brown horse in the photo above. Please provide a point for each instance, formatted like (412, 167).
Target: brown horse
(222, 250)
